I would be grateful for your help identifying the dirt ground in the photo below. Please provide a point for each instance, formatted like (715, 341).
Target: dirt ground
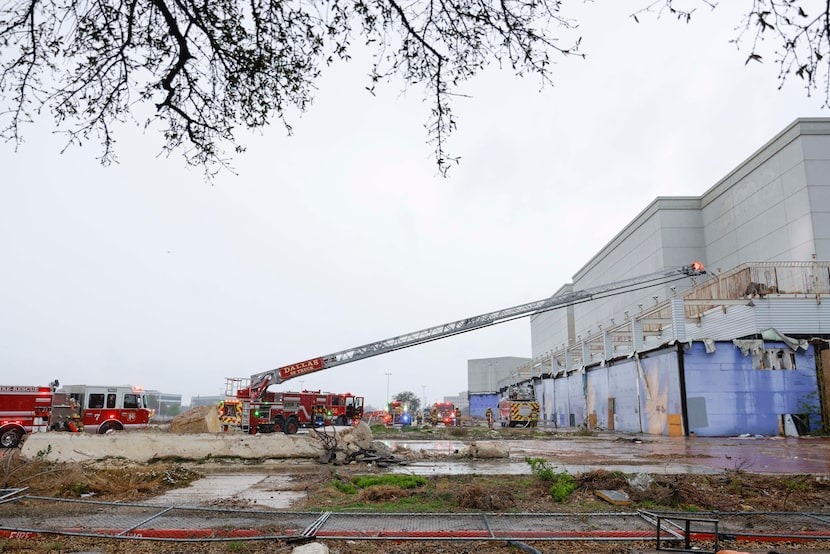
(734, 490)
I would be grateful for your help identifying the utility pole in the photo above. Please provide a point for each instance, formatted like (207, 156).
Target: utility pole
(387, 389)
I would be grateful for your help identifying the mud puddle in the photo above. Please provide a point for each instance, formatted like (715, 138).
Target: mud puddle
(236, 490)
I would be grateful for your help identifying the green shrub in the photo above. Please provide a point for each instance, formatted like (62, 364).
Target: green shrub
(344, 487)
(563, 483)
(541, 468)
(402, 481)
(563, 486)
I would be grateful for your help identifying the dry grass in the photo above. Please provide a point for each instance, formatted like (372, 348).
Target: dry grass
(106, 480)
(478, 498)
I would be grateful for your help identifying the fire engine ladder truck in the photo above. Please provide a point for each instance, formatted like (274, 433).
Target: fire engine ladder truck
(232, 385)
(261, 381)
(246, 417)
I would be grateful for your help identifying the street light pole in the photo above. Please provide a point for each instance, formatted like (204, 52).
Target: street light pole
(387, 389)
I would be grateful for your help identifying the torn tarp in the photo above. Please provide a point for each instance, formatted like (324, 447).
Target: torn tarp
(754, 346)
(794, 344)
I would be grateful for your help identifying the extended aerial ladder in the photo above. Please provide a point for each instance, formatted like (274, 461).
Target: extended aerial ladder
(261, 381)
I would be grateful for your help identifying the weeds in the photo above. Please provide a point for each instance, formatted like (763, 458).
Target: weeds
(401, 481)
(562, 487)
(796, 484)
(562, 483)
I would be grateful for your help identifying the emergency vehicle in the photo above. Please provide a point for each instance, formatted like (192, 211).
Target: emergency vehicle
(399, 414)
(285, 412)
(519, 408)
(75, 408)
(443, 412)
(258, 385)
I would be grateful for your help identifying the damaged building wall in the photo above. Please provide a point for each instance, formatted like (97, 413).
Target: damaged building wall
(764, 235)
(636, 395)
(773, 206)
(728, 393)
(732, 393)
(562, 399)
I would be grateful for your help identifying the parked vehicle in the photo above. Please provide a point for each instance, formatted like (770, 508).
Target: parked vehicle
(73, 408)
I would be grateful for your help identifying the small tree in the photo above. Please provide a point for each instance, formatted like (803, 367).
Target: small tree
(410, 399)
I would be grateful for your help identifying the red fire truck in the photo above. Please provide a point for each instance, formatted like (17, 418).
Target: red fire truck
(399, 414)
(287, 412)
(443, 412)
(95, 409)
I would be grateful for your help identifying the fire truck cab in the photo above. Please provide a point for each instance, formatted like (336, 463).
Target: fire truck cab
(519, 408)
(33, 409)
(105, 409)
(443, 412)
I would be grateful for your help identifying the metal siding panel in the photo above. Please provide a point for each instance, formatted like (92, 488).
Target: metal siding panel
(740, 399)
(480, 402)
(659, 374)
(561, 401)
(576, 397)
(738, 321)
(545, 395)
(597, 395)
(793, 315)
(623, 387)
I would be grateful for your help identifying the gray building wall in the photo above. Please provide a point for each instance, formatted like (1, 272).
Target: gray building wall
(484, 374)
(776, 205)
(551, 330)
(461, 402)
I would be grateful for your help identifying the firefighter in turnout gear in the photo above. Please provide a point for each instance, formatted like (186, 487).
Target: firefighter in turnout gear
(489, 415)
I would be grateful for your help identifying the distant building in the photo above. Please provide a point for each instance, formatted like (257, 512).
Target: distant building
(487, 376)
(460, 401)
(164, 405)
(196, 401)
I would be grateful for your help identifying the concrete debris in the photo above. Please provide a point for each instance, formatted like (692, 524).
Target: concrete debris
(144, 447)
(202, 419)
(618, 498)
(487, 449)
(353, 444)
(311, 548)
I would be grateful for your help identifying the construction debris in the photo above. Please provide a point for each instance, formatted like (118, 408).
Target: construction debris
(202, 419)
(355, 444)
(618, 498)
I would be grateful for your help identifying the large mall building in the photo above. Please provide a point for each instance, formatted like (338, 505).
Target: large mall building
(742, 349)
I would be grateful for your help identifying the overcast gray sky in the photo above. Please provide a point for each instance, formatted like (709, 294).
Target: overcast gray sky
(344, 234)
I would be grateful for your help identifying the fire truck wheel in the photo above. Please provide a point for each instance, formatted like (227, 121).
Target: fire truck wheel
(9, 438)
(341, 420)
(108, 427)
(279, 425)
(292, 426)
